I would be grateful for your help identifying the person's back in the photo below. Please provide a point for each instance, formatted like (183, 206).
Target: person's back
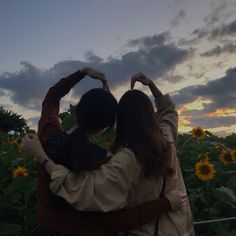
(140, 136)
(141, 190)
(133, 176)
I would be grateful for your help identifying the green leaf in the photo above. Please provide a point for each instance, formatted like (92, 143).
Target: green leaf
(7, 229)
(68, 122)
(231, 183)
(18, 185)
(225, 194)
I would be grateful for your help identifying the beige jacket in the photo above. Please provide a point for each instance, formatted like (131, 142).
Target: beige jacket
(120, 183)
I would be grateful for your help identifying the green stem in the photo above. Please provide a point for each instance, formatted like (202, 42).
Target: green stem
(201, 150)
(207, 186)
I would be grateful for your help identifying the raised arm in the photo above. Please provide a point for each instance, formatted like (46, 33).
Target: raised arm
(166, 113)
(140, 77)
(49, 122)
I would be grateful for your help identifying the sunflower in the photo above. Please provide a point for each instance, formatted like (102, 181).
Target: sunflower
(198, 133)
(15, 145)
(233, 154)
(204, 157)
(20, 171)
(204, 170)
(226, 157)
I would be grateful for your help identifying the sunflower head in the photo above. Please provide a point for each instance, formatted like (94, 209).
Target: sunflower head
(204, 170)
(15, 145)
(20, 171)
(233, 154)
(198, 133)
(226, 157)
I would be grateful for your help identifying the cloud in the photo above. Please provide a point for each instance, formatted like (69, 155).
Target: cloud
(173, 78)
(91, 57)
(210, 33)
(216, 14)
(224, 30)
(213, 122)
(33, 122)
(2, 93)
(149, 41)
(213, 91)
(222, 94)
(154, 56)
(216, 51)
(179, 16)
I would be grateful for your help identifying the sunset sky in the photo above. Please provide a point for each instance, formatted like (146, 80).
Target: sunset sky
(187, 47)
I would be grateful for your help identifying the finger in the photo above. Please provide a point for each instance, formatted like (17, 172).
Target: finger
(132, 83)
(105, 86)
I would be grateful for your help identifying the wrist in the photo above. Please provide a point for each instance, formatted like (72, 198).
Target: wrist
(84, 71)
(41, 157)
(44, 162)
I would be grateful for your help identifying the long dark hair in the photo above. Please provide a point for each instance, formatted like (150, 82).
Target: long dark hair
(95, 112)
(138, 129)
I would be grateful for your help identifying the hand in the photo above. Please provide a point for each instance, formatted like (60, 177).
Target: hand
(105, 86)
(177, 199)
(95, 74)
(32, 146)
(140, 77)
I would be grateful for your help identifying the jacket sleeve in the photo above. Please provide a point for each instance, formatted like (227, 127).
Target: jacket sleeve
(167, 117)
(131, 218)
(103, 190)
(49, 122)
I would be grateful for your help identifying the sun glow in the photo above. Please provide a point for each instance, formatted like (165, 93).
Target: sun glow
(223, 112)
(198, 104)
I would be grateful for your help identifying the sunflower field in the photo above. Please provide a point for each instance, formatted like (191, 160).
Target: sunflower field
(208, 165)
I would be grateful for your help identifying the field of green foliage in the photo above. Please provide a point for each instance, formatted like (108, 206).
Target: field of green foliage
(208, 164)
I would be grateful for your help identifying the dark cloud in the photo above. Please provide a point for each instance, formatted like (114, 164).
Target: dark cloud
(222, 94)
(173, 78)
(2, 93)
(213, 122)
(155, 57)
(216, 14)
(27, 85)
(220, 91)
(179, 16)
(224, 30)
(149, 41)
(216, 51)
(91, 57)
(210, 33)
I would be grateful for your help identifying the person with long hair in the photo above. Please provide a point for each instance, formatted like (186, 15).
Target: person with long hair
(95, 111)
(143, 167)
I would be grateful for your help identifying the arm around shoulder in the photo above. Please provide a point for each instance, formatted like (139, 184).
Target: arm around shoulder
(102, 190)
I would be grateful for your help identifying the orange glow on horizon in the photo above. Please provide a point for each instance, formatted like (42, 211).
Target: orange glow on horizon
(223, 112)
(198, 104)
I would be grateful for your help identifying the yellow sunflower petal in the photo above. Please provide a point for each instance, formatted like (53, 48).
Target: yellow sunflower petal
(233, 154)
(226, 157)
(198, 133)
(20, 171)
(205, 170)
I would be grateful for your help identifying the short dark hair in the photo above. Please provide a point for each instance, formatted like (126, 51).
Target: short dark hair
(95, 111)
